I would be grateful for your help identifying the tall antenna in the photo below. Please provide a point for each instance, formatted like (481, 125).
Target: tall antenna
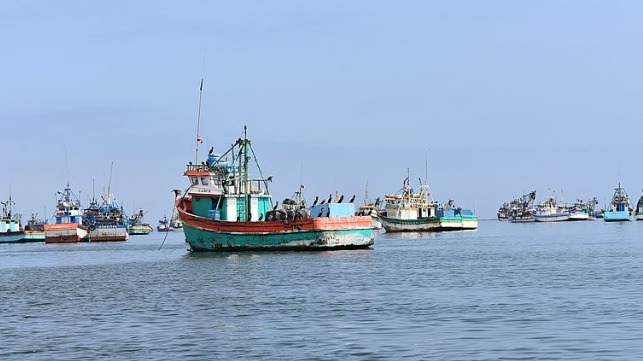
(66, 165)
(301, 182)
(198, 124)
(426, 167)
(109, 185)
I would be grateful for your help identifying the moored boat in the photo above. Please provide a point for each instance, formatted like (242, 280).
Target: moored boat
(550, 211)
(11, 230)
(369, 208)
(409, 211)
(67, 226)
(619, 208)
(225, 209)
(106, 221)
(35, 229)
(175, 222)
(503, 212)
(136, 224)
(581, 210)
(521, 210)
(164, 225)
(638, 212)
(454, 218)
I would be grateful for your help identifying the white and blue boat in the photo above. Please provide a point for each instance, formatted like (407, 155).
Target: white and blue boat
(549, 211)
(106, 222)
(11, 230)
(620, 209)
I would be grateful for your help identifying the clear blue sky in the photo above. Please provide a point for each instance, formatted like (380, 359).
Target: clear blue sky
(501, 97)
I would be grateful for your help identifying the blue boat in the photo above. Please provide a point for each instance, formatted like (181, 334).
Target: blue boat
(11, 230)
(106, 221)
(620, 209)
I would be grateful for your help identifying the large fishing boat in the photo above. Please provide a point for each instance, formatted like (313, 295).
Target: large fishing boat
(67, 226)
(619, 208)
(521, 209)
(408, 211)
(137, 225)
(106, 221)
(227, 209)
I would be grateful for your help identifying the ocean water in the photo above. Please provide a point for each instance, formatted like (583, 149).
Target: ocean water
(566, 291)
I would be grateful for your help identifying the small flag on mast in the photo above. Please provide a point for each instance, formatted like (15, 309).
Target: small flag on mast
(199, 139)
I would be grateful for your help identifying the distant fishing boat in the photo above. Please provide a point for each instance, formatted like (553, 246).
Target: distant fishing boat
(136, 224)
(106, 221)
(619, 208)
(581, 210)
(164, 225)
(369, 208)
(503, 212)
(67, 226)
(175, 222)
(408, 211)
(453, 218)
(11, 230)
(550, 211)
(227, 209)
(35, 228)
(638, 213)
(521, 209)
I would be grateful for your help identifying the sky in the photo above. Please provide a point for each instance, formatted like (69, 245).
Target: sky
(486, 99)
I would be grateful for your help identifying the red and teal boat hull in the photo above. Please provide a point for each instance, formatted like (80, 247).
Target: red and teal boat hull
(312, 234)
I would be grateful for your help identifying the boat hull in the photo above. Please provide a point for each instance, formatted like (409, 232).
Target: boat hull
(551, 217)
(579, 216)
(21, 237)
(139, 230)
(524, 219)
(617, 216)
(108, 234)
(429, 224)
(311, 234)
(65, 233)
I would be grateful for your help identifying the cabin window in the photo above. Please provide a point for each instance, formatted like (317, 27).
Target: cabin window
(204, 181)
(195, 181)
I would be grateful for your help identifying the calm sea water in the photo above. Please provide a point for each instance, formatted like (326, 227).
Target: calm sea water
(567, 291)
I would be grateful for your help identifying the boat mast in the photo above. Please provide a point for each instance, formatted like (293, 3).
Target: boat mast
(407, 185)
(246, 178)
(198, 125)
(109, 192)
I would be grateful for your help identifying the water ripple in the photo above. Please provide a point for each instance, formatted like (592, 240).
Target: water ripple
(504, 292)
